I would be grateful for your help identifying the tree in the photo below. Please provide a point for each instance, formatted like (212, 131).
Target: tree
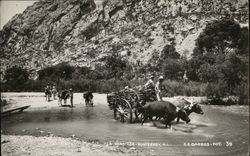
(16, 77)
(81, 73)
(115, 65)
(242, 46)
(169, 51)
(54, 73)
(220, 36)
(192, 69)
(170, 63)
(173, 69)
(220, 56)
(233, 70)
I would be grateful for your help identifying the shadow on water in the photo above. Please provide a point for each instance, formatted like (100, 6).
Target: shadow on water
(66, 106)
(89, 113)
(64, 114)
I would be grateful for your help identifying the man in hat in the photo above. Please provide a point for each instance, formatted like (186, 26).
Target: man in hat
(159, 88)
(150, 82)
(54, 91)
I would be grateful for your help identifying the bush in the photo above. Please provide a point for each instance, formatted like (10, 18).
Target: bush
(15, 78)
(217, 90)
(34, 86)
(173, 69)
(175, 88)
(57, 72)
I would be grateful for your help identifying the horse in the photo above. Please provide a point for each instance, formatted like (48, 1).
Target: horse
(88, 96)
(63, 95)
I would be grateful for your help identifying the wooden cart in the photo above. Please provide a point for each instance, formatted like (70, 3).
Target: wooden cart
(127, 104)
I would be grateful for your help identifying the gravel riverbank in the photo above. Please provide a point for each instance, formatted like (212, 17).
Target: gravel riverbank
(16, 145)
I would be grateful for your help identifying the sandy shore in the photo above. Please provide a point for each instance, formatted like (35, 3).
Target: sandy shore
(16, 145)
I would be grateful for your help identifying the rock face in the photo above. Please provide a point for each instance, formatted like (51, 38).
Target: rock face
(76, 31)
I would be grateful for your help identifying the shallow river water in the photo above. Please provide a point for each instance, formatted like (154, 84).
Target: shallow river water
(220, 131)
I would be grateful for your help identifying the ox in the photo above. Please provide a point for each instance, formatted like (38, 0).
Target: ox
(188, 107)
(163, 109)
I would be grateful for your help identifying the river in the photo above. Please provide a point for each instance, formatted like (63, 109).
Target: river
(222, 130)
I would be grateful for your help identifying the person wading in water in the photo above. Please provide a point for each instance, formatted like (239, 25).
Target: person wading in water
(71, 96)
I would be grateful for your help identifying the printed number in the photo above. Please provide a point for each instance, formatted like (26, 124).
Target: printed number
(229, 143)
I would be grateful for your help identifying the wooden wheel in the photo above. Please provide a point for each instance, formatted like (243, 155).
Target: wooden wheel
(123, 111)
(138, 115)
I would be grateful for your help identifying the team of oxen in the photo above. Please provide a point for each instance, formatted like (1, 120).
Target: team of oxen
(169, 111)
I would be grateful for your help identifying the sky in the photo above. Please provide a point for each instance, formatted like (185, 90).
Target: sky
(9, 8)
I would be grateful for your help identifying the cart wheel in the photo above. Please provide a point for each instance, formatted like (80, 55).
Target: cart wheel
(123, 111)
(138, 116)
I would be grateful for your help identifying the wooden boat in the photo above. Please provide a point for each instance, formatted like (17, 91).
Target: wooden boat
(13, 110)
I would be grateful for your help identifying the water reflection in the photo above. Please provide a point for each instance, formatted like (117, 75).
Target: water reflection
(62, 115)
(47, 116)
(89, 113)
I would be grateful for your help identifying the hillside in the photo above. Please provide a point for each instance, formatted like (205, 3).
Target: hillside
(76, 31)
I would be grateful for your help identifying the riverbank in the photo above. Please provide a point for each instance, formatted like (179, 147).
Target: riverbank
(16, 145)
(37, 100)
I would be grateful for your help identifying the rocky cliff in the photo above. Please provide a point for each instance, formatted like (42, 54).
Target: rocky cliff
(78, 32)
